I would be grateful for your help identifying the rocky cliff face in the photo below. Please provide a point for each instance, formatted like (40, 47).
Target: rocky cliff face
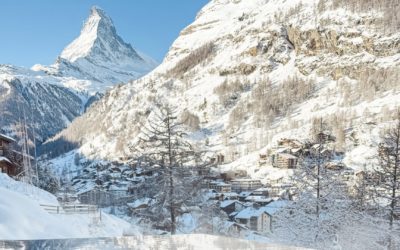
(253, 72)
(47, 108)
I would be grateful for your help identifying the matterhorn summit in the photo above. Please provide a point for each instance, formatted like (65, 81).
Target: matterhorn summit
(100, 56)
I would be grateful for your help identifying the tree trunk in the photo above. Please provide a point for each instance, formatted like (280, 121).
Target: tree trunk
(395, 172)
(171, 179)
(172, 204)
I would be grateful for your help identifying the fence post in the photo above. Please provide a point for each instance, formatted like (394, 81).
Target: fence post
(58, 209)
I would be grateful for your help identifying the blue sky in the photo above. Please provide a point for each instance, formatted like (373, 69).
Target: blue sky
(36, 31)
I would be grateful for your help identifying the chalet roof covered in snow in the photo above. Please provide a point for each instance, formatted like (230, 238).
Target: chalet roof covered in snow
(295, 150)
(120, 187)
(263, 189)
(282, 150)
(7, 138)
(287, 156)
(140, 202)
(228, 224)
(4, 159)
(227, 203)
(256, 198)
(270, 209)
(230, 194)
(87, 187)
(245, 193)
(249, 212)
(275, 206)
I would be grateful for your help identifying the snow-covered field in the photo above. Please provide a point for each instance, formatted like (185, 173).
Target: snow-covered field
(22, 217)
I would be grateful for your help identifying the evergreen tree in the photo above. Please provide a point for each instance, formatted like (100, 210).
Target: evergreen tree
(321, 203)
(163, 147)
(387, 183)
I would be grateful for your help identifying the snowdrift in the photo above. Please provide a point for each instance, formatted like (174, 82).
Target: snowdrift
(22, 217)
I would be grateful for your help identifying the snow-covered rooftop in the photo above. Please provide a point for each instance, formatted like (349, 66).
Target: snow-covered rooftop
(140, 202)
(258, 198)
(288, 156)
(270, 209)
(275, 206)
(249, 212)
(227, 203)
(7, 138)
(2, 158)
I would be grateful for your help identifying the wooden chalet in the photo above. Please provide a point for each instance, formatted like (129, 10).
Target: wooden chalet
(219, 186)
(335, 166)
(325, 137)
(218, 159)
(203, 171)
(290, 143)
(230, 175)
(7, 167)
(231, 206)
(240, 185)
(263, 159)
(255, 219)
(10, 160)
(259, 218)
(284, 160)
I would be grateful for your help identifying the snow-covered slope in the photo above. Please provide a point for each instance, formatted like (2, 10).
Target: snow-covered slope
(256, 71)
(38, 98)
(100, 55)
(22, 217)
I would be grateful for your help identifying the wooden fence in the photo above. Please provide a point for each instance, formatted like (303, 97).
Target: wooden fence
(72, 209)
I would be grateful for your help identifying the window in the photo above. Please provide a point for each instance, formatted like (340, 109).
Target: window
(253, 223)
(242, 221)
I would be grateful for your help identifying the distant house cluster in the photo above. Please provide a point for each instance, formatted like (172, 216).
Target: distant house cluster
(248, 203)
(112, 185)
(288, 152)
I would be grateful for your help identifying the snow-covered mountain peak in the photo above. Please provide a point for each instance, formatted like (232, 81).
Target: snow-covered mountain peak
(98, 27)
(97, 39)
(100, 56)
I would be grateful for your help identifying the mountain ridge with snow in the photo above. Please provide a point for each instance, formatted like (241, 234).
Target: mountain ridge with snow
(253, 72)
(100, 55)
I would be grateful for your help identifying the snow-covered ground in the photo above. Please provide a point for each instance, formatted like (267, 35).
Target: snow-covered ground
(190, 241)
(22, 217)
